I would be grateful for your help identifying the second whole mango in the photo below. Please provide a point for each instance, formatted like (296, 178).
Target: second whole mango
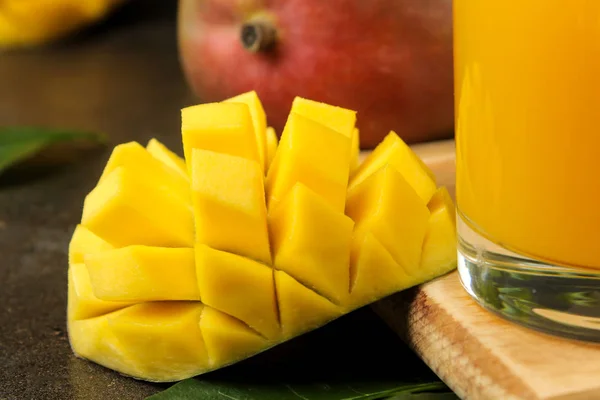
(390, 60)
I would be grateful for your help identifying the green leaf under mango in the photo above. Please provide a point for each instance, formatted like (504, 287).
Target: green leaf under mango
(202, 389)
(20, 144)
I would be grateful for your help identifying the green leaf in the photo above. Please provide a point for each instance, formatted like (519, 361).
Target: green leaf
(209, 390)
(426, 396)
(20, 144)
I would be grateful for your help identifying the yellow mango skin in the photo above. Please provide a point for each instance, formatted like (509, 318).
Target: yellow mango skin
(84, 242)
(386, 205)
(226, 282)
(143, 273)
(227, 339)
(138, 160)
(300, 308)
(220, 127)
(82, 302)
(312, 154)
(393, 151)
(339, 119)
(272, 143)
(162, 339)
(311, 242)
(259, 120)
(167, 157)
(125, 210)
(355, 151)
(373, 272)
(229, 204)
(439, 246)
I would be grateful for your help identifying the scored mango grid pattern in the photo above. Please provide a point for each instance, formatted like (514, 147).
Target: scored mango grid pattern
(210, 230)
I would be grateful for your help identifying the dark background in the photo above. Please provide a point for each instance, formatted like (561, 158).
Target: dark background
(123, 78)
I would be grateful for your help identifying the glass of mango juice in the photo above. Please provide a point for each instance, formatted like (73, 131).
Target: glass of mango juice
(527, 104)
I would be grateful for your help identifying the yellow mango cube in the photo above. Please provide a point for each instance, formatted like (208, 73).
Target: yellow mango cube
(138, 160)
(167, 157)
(259, 120)
(439, 246)
(229, 204)
(163, 339)
(93, 339)
(311, 242)
(272, 143)
(314, 155)
(227, 282)
(85, 242)
(220, 127)
(355, 151)
(386, 205)
(143, 273)
(227, 339)
(82, 302)
(393, 151)
(124, 209)
(373, 271)
(300, 308)
(339, 119)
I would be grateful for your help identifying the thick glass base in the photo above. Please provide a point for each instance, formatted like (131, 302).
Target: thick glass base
(549, 298)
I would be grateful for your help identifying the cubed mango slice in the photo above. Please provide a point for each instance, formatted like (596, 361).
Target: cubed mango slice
(226, 282)
(138, 160)
(85, 242)
(229, 204)
(439, 254)
(143, 273)
(339, 119)
(162, 339)
(393, 151)
(300, 308)
(314, 155)
(373, 271)
(125, 209)
(259, 121)
(272, 143)
(228, 339)
(220, 127)
(311, 242)
(82, 302)
(386, 205)
(184, 266)
(355, 151)
(94, 340)
(167, 157)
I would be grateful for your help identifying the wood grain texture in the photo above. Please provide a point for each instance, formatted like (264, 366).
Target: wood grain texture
(478, 354)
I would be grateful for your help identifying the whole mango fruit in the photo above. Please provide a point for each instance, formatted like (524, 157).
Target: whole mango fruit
(390, 60)
(26, 23)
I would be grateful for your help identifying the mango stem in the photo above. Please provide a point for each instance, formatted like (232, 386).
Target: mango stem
(258, 34)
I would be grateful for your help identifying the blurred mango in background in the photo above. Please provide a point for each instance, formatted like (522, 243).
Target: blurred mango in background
(25, 23)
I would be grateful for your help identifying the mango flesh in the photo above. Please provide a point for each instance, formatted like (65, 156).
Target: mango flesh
(167, 157)
(259, 120)
(168, 281)
(272, 142)
(393, 151)
(314, 155)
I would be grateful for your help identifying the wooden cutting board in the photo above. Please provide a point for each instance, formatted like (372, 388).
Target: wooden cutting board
(479, 355)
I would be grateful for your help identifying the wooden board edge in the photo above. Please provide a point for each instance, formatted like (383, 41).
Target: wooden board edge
(463, 362)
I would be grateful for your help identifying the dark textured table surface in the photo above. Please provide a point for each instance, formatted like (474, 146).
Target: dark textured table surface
(122, 78)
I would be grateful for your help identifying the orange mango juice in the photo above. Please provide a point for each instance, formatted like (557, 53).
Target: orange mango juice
(527, 84)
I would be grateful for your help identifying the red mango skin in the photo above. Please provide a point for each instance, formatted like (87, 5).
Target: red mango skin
(390, 60)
